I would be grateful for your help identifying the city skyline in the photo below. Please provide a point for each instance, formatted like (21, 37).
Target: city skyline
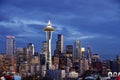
(94, 23)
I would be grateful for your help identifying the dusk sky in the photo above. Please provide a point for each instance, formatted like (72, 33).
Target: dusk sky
(94, 22)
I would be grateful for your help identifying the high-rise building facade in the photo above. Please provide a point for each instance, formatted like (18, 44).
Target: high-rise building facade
(10, 45)
(59, 43)
(44, 47)
(29, 53)
(76, 55)
(31, 48)
(59, 46)
(44, 51)
(77, 48)
(22, 60)
(69, 51)
(82, 61)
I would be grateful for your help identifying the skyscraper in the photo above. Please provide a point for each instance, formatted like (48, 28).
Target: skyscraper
(44, 47)
(77, 48)
(44, 58)
(29, 55)
(44, 50)
(49, 29)
(77, 55)
(10, 45)
(22, 60)
(82, 61)
(69, 51)
(59, 45)
(10, 51)
(31, 48)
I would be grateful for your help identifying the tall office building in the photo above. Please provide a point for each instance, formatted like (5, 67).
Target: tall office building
(77, 48)
(10, 45)
(69, 51)
(43, 58)
(58, 51)
(59, 58)
(59, 45)
(44, 50)
(89, 56)
(31, 48)
(22, 60)
(76, 55)
(82, 61)
(29, 54)
(44, 47)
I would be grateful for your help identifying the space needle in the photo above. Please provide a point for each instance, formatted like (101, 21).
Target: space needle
(49, 29)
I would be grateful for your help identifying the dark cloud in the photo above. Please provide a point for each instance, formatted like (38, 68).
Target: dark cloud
(6, 31)
(111, 28)
(2, 1)
(100, 17)
(4, 17)
(36, 26)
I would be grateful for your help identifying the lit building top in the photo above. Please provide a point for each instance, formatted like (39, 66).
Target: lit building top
(82, 49)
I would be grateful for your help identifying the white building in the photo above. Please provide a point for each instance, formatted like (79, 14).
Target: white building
(10, 45)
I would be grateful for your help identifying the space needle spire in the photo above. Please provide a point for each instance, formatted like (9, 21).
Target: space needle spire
(49, 29)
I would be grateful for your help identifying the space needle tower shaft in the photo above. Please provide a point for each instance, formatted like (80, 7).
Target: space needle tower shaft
(49, 29)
